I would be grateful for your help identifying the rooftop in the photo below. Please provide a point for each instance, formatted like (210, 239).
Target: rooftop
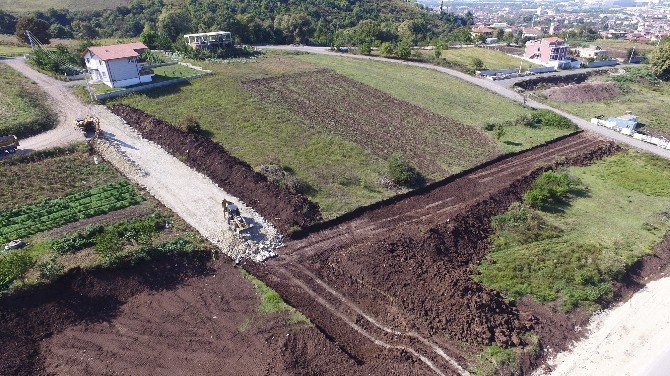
(117, 51)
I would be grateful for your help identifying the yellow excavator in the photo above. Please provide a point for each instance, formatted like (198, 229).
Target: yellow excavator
(88, 124)
(235, 220)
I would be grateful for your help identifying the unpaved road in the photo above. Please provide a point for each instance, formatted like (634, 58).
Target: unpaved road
(191, 195)
(498, 89)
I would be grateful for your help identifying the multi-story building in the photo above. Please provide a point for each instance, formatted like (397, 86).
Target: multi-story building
(547, 50)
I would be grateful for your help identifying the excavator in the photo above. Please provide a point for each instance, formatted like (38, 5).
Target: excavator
(88, 124)
(235, 220)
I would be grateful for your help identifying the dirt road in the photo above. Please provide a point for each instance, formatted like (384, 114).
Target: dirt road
(498, 89)
(191, 195)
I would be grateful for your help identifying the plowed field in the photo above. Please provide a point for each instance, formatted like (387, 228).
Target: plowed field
(379, 122)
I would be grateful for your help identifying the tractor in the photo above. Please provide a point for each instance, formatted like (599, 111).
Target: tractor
(88, 124)
(235, 220)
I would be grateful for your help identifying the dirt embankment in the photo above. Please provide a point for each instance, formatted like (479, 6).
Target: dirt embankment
(551, 81)
(587, 92)
(176, 315)
(286, 210)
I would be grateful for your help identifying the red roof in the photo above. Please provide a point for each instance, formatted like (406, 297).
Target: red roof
(482, 29)
(117, 51)
(552, 40)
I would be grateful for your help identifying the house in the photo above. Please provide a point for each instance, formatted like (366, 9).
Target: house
(531, 32)
(592, 52)
(482, 32)
(547, 50)
(209, 40)
(117, 65)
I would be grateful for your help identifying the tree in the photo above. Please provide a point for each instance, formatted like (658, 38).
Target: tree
(386, 49)
(84, 30)
(39, 28)
(659, 61)
(499, 131)
(477, 63)
(403, 50)
(438, 49)
(365, 48)
(7, 23)
(296, 27)
(402, 173)
(174, 23)
(190, 124)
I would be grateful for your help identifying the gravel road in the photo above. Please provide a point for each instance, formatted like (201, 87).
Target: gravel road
(191, 195)
(498, 89)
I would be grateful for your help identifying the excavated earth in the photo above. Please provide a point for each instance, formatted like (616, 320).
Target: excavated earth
(586, 92)
(180, 315)
(286, 210)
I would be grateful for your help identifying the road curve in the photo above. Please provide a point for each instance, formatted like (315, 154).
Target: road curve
(491, 86)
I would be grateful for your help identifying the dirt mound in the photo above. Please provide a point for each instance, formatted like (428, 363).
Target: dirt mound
(550, 81)
(173, 316)
(583, 93)
(286, 210)
(379, 122)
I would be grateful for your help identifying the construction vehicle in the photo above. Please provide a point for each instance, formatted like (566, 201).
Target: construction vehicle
(235, 220)
(8, 144)
(88, 124)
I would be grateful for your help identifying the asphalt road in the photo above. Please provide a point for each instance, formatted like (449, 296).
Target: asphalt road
(498, 89)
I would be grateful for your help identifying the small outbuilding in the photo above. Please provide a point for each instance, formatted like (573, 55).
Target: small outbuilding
(213, 39)
(117, 65)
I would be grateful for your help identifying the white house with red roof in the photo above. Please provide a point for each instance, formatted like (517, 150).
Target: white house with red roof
(117, 65)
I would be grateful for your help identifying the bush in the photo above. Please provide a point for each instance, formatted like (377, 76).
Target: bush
(659, 61)
(13, 265)
(402, 173)
(190, 124)
(499, 131)
(404, 50)
(50, 270)
(477, 63)
(108, 245)
(548, 190)
(365, 49)
(546, 118)
(386, 49)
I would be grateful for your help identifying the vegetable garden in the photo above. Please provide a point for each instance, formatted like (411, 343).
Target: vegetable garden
(49, 214)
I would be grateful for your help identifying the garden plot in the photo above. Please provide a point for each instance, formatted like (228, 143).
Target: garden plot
(379, 122)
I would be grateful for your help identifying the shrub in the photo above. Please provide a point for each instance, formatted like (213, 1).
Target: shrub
(402, 173)
(190, 124)
(365, 48)
(13, 265)
(477, 63)
(546, 118)
(499, 131)
(50, 270)
(548, 190)
(386, 49)
(108, 245)
(404, 50)
(659, 61)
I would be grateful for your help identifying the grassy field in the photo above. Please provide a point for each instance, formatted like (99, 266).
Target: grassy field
(616, 44)
(23, 106)
(25, 6)
(580, 246)
(57, 241)
(491, 59)
(649, 101)
(444, 95)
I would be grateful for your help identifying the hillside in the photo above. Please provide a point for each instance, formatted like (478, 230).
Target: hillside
(24, 6)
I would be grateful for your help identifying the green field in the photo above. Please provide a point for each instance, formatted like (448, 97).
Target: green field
(491, 59)
(344, 174)
(579, 247)
(25, 6)
(616, 44)
(23, 106)
(649, 101)
(444, 95)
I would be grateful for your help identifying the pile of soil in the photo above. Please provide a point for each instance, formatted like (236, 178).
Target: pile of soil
(288, 211)
(552, 81)
(379, 122)
(176, 315)
(590, 92)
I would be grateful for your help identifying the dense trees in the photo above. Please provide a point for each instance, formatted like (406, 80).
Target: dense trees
(39, 28)
(7, 23)
(659, 61)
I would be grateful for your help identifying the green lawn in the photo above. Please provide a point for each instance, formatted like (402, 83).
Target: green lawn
(573, 252)
(650, 102)
(442, 94)
(7, 50)
(616, 44)
(23, 105)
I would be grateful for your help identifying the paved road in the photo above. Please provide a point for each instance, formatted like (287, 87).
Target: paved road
(498, 89)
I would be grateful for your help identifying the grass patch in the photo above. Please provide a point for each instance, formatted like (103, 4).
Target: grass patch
(493, 358)
(51, 174)
(492, 59)
(444, 95)
(271, 302)
(23, 105)
(580, 247)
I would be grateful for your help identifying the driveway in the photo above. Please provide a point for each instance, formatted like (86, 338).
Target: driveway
(498, 89)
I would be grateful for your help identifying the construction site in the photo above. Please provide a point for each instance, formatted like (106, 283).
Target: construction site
(271, 285)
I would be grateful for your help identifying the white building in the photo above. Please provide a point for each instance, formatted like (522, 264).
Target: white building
(209, 40)
(117, 65)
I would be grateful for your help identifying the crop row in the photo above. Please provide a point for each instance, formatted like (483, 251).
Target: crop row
(48, 214)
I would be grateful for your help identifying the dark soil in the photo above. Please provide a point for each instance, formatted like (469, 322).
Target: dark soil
(543, 82)
(175, 316)
(288, 211)
(583, 93)
(408, 263)
(379, 122)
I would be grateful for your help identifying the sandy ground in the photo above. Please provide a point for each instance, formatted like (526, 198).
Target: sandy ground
(630, 339)
(191, 195)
